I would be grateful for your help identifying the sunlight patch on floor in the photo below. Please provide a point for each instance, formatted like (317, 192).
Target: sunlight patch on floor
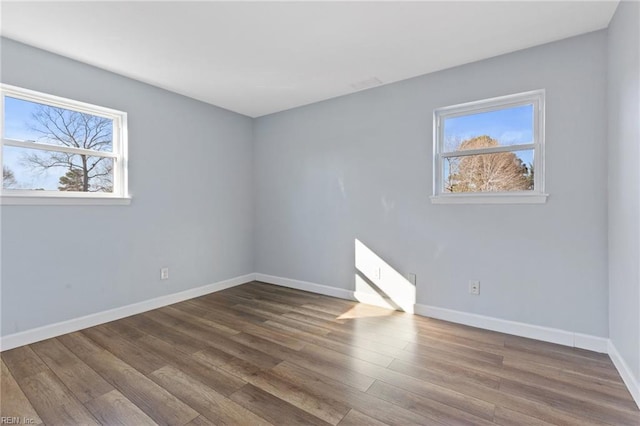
(366, 311)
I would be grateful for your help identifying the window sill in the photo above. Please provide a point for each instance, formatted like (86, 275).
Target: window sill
(490, 199)
(43, 200)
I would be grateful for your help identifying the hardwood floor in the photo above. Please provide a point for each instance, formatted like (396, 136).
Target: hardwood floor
(258, 354)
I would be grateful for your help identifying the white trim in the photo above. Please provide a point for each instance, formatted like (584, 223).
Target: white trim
(384, 302)
(490, 104)
(57, 148)
(372, 299)
(546, 334)
(58, 101)
(358, 296)
(498, 198)
(491, 150)
(306, 286)
(48, 331)
(84, 200)
(591, 343)
(633, 384)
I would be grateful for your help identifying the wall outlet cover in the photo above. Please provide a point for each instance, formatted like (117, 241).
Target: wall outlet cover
(164, 273)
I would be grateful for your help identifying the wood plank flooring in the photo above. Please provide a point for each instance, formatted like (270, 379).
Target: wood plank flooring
(258, 354)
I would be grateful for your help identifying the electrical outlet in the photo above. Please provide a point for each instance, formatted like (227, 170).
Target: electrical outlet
(164, 273)
(474, 287)
(377, 273)
(412, 278)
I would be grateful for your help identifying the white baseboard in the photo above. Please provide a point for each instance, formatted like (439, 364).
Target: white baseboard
(546, 334)
(306, 286)
(625, 372)
(383, 302)
(372, 299)
(48, 331)
(367, 298)
(591, 343)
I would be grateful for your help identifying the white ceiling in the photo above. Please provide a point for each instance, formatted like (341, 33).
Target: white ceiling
(257, 58)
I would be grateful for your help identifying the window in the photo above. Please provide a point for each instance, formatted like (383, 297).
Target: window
(60, 151)
(490, 151)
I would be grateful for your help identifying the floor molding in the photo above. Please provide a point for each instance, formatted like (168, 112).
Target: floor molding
(306, 286)
(625, 372)
(545, 334)
(384, 302)
(48, 331)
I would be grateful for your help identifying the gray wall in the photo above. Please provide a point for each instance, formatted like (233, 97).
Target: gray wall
(360, 167)
(624, 183)
(190, 177)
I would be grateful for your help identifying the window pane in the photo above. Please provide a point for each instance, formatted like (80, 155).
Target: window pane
(31, 121)
(501, 172)
(504, 127)
(34, 169)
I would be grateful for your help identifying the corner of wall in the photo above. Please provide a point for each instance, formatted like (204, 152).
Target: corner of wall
(625, 372)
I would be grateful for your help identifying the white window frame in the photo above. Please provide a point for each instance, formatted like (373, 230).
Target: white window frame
(120, 194)
(537, 195)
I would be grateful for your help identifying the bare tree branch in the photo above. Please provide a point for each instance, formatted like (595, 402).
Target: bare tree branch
(8, 178)
(78, 130)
